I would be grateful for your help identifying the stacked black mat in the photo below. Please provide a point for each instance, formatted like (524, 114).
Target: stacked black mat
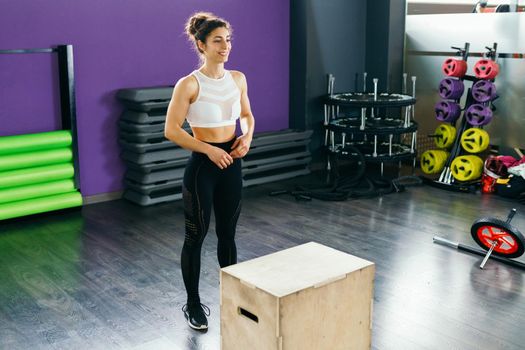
(155, 165)
(277, 155)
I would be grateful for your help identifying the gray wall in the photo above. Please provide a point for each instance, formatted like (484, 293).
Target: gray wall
(426, 52)
(327, 37)
(385, 33)
(345, 38)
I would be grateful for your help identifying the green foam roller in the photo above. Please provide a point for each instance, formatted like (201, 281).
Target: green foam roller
(35, 142)
(32, 159)
(36, 175)
(40, 205)
(34, 191)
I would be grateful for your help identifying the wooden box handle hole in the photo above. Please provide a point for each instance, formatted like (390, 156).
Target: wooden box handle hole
(248, 314)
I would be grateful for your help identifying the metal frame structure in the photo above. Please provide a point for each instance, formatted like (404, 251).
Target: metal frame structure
(68, 109)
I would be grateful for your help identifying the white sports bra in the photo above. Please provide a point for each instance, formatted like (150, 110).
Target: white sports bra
(218, 102)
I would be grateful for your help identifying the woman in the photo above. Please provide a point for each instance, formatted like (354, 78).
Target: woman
(211, 99)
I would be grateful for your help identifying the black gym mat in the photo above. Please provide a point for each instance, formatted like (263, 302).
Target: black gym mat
(157, 156)
(146, 137)
(146, 94)
(154, 188)
(277, 146)
(278, 137)
(160, 165)
(155, 176)
(140, 128)
(250, 172)
(143, 117)
(152, 106)
(147, 147)
(275, 156)
(275, 175)
(154, 198)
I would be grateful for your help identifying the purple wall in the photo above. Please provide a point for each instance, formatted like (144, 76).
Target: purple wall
(120, 44)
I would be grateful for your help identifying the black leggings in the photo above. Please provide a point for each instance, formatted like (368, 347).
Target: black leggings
(206, 184)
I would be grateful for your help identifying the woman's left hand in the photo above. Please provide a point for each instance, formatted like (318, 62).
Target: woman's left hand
(241, 146)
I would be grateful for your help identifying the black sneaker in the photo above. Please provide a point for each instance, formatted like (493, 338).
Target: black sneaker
(196, 315)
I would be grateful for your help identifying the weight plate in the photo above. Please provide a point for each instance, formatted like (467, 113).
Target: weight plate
(466, 168)
(475, 140)
(454, 67)
(511, 242)
(486, 69)
(433, 161)
(445, 135)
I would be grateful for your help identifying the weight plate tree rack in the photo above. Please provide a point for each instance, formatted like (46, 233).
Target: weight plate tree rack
(379, 137)
(50, 178)
(477, 112)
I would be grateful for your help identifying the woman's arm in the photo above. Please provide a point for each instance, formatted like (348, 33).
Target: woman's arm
(183, 93)
(247, 121)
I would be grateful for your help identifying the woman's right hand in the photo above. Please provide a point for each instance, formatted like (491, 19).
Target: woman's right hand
(221, 158)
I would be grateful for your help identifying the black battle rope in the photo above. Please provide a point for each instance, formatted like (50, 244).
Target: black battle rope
(354, 185)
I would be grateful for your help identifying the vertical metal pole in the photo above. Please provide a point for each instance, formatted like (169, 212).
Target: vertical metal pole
(331, 82)
(413, 150)
(375, 80)
(68, 108)
(363, 119)
(375, 146)
(511, 215)
(414, 96)
(326, 117)
(492, 246)
(404, 91)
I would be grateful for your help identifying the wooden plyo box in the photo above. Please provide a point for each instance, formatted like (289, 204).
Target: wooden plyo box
(306, 297)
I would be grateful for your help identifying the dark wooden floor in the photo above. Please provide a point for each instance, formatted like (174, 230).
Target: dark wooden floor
(108, 277)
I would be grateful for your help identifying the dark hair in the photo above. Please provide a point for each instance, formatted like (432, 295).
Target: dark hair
(201, 24)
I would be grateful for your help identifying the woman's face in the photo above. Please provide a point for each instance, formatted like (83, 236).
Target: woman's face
(218, 45)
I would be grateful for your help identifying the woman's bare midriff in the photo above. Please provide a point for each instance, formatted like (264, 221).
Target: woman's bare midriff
(215, 135)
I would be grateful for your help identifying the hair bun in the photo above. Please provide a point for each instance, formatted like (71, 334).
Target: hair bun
(201, 24)
(196, 22)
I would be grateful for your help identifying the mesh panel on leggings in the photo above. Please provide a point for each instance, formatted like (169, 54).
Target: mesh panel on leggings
(190, 221)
